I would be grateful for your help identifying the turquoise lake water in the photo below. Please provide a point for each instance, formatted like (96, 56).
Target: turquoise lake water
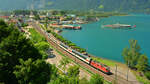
(109, 43)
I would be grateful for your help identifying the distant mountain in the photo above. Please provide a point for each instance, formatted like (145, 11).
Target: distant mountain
(102, 5)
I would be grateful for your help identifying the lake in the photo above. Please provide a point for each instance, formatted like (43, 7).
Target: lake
(109, 43)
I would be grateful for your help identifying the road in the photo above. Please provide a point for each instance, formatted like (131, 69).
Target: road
(110, 78)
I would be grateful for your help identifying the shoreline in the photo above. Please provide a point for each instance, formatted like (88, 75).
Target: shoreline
(98, 58)
(104, 58)
(108, 62)
(94, 56)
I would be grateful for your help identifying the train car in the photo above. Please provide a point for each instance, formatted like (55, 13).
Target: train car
(100, 66)
(82, 57)
(76, 54)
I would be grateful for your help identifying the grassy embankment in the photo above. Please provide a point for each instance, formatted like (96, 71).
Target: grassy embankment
(36, 37)
(105, 61)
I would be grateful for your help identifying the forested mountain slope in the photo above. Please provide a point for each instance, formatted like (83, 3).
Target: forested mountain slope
(102, 5)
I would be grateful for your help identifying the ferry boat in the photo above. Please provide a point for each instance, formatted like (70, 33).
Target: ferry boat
(119, 26)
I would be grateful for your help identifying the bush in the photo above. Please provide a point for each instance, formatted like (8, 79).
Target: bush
(147, 74)
(96, 79)
(44, 46)
(44, 54)
(84, 81)
(49, 31)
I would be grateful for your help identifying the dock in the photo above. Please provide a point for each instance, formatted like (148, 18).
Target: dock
(66, 26)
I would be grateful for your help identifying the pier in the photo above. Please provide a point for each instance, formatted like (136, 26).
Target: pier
(66, 26)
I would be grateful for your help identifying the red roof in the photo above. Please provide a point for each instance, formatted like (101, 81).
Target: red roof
(4, 16)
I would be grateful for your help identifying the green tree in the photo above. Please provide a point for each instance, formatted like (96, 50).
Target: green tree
(5, 30)
(73, 71)
(19, 47)
(37, 17)
(6, 68)
(65, 79)
(44, 46)
(64, 61)
(32, 72)
(142, 63)
(73, 74)
(96, 79)
(46, 22)
(73, 80)
(54, 73)
(54, 12)
(132, 53)
(44, 54)
(13, 47)
(72, 44)
(60, 80)
(24, 24)
(147, 74)
(84, 81)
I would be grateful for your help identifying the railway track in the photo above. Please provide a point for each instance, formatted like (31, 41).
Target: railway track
(109, 78)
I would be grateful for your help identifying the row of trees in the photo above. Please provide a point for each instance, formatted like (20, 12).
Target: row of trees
(135, 59)
(24, 12)
(67, 42)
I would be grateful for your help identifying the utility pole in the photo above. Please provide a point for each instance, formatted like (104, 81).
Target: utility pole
(75, 60)
(128, 70)
(116, 74)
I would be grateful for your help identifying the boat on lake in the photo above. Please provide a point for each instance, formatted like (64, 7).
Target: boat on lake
(119, 26)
